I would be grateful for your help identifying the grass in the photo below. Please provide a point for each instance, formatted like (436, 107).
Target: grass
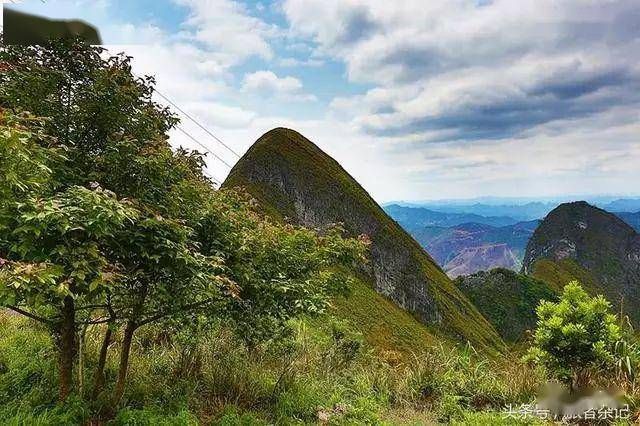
(330, 370)
(560, 273)
(382, 323)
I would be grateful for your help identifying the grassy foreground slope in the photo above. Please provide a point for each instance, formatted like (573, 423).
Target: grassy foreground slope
(294, 180)
(216, 380)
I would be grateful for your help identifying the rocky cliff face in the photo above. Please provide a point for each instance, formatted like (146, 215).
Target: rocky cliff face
(295, 181)
(580, 241)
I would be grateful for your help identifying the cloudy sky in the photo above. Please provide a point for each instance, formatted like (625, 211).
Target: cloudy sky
(416, 99)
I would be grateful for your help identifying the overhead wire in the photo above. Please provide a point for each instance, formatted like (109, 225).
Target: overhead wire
(166, 98)
(201, 126)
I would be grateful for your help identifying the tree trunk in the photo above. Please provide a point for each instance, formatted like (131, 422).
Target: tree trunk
(99, 379)
(124, 362)
(66, 348)
(81, 348)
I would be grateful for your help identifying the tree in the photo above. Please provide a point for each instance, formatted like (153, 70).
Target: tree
(239, 267)
(126, 231)
(111, 131)
(27, 157)
(90, 101)
(164, 276)
(575, 336)
(282, 271)
(56, 264)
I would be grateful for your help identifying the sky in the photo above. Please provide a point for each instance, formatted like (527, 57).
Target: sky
(417, 100)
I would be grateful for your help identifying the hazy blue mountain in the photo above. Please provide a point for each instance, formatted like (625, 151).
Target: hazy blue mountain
(522, 212)
(632, 219)
(412, 218)
(470, 247)
(521, 208)
(622, 205)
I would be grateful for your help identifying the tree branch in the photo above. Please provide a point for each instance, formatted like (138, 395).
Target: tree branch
(161, 315)
(30, 315)
(91, 307)
(98, 321)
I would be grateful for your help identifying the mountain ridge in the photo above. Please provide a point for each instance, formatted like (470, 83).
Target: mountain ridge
(580, 241)
(295, 180)
(417, 217)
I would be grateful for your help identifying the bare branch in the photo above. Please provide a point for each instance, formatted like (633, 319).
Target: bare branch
(31, 315)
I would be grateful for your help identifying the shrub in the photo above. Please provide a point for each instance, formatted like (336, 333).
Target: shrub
(575, 337)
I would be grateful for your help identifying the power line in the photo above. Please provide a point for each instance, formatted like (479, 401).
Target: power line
(217, 139)
(204, 147)
(215, 180)
(197, 123)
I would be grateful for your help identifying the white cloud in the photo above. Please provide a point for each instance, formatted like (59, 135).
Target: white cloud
(266, 84)
(295, 62)
(227, 27)
(528, 97)
(477, 71)
(375, 134)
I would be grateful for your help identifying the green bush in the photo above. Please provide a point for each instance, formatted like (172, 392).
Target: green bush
(576, 337)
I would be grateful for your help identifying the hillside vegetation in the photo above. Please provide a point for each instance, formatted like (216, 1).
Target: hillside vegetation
(507, 299)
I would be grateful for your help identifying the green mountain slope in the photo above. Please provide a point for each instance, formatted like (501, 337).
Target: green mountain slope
(294, 180)
(507, 299)
(580, 241)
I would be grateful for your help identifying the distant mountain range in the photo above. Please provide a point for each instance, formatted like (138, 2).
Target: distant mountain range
(470, 247)
(632, 219)
(467, 238)
(515, 208)
(412, 218)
